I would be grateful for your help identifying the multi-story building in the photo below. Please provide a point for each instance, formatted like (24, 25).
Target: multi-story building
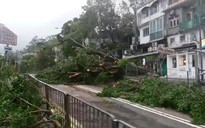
(150, 22)
(185, 28)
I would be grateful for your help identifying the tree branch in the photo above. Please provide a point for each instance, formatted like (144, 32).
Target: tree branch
(55, 122)
(39, 109)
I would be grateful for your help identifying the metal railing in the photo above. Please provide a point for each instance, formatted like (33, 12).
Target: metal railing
(184, 25)
(78, 113)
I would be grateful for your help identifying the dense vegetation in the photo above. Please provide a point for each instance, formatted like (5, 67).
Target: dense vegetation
(87, 66)
(21, 104)
(158, 93)
(88, 51)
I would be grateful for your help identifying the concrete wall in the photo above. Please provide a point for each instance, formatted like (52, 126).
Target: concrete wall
(188, 39)
(173, 30)
(146, 39)
(180, 71)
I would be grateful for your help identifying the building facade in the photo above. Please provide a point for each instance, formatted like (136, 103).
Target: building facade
(150, 22)
(185, 28)
(178, 25)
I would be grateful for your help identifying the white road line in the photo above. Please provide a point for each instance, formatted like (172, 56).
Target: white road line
(154, 110)
(178, 119)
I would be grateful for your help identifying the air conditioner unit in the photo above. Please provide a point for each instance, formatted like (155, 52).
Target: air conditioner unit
(133, 40)
(125, 52)
(150, 49)
(154, 44)
(131, 47)
(154, 48)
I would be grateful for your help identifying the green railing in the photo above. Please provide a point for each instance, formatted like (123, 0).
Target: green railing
(185, 25)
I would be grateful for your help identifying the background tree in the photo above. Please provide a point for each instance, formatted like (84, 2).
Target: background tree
(102, 24)
(39, 54)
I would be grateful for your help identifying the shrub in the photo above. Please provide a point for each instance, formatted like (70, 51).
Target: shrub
(21, 104)
(156, 92)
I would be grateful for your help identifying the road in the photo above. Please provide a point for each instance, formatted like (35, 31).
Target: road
(128, 113)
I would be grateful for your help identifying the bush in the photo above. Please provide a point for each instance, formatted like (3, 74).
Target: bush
(158, 93)
(120, 88)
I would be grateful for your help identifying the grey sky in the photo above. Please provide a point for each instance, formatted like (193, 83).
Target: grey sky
(29, 18)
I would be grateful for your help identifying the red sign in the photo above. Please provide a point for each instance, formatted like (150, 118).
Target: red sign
(7, 36)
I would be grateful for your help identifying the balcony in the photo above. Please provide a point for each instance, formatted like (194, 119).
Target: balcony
(156, 35)
(185, 25)
(176, 3)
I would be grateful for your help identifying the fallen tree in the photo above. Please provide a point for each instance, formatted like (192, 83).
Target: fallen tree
(22, 105)
(88, 65)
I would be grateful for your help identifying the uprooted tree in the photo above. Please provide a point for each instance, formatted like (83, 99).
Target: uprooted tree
(88, 65)
(107, 32)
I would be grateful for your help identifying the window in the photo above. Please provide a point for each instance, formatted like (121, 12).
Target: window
(145, 32)
(177, 21)
(145, 12)
(182, 38)
(174, 62)
(174, 22)
(188, 16)
(156, 25)
(204, 34)
(193, 36)
(172, 40)
(182, 60)
(154, 8)
(193, 60)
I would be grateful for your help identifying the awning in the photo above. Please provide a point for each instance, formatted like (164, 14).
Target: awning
(140, 55)
(185, 46)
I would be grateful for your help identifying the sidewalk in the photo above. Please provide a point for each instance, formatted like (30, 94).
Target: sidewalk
(123, 110)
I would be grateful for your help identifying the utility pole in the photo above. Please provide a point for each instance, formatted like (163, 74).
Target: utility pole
(135, 24)
(136, 41)
(201, 54)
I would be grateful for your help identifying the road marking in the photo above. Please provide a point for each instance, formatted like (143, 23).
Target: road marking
(172, 117)
(175, 118)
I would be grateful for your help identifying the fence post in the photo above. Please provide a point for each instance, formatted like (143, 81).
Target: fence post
(67, 110)
(47, 96)
(114, 123)
(188, 78)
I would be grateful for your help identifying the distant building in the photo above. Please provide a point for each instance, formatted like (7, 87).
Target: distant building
(150, 21)
(172, 25)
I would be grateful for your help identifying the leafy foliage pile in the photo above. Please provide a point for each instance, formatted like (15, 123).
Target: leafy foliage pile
(88, 66)
(158, 93)
(21, 105)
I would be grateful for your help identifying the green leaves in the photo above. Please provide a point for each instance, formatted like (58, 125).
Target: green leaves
(158, 93)
(14, 112)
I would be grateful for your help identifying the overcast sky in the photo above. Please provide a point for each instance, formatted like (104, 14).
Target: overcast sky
(29, 18)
